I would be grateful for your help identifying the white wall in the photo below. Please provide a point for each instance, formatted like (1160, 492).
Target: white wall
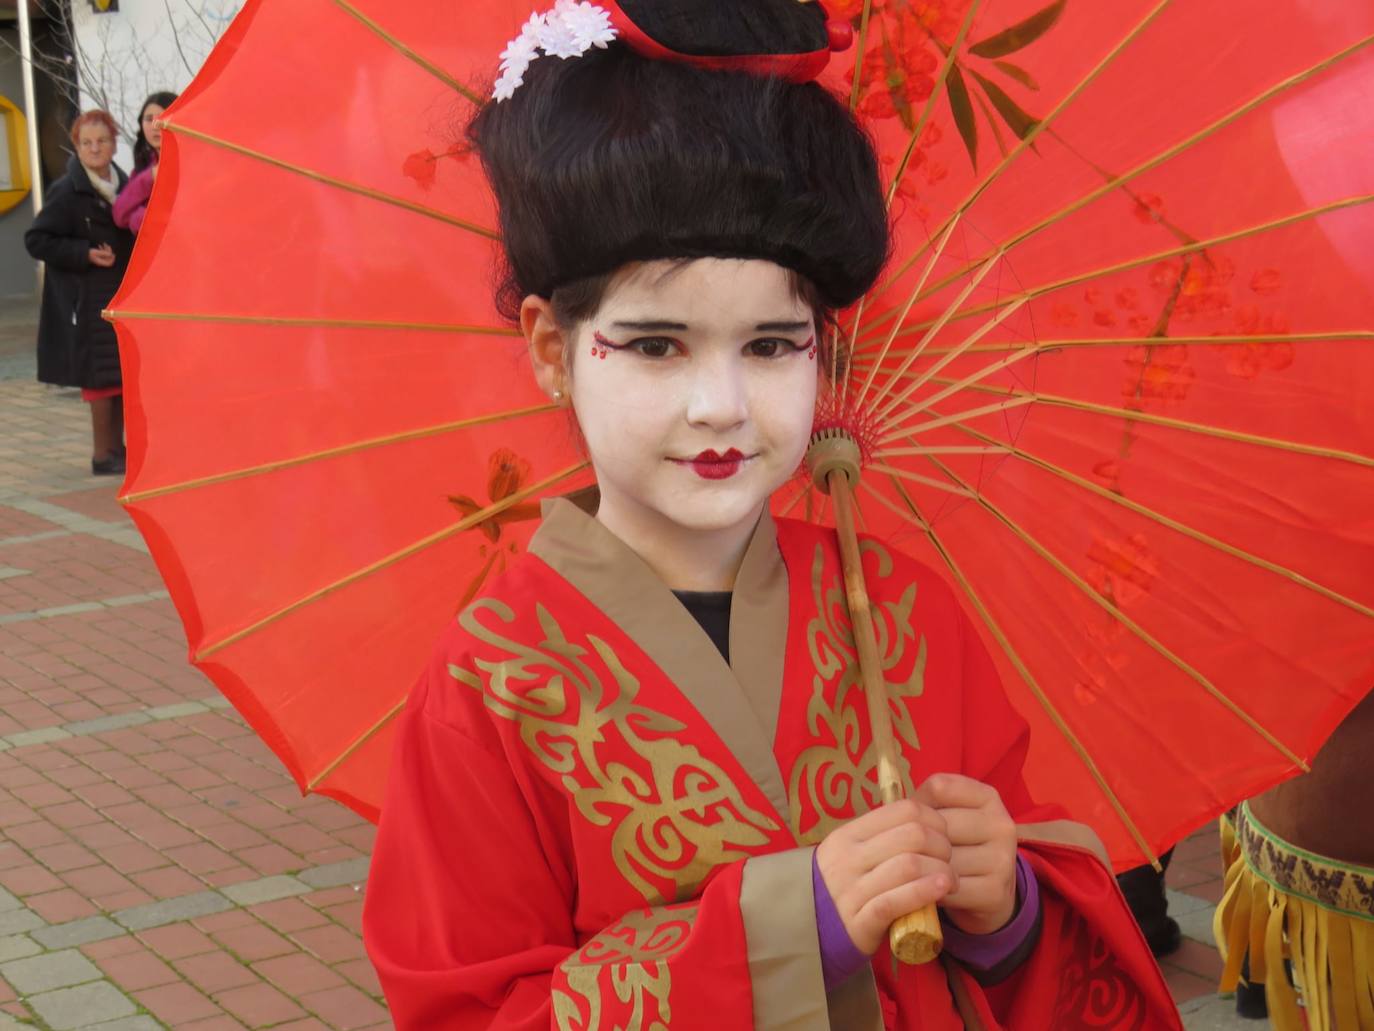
(140, 49)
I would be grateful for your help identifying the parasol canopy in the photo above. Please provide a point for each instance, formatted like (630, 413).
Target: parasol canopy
(1114, 382)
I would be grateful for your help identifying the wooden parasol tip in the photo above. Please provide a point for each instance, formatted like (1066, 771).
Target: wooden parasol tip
(833, 450)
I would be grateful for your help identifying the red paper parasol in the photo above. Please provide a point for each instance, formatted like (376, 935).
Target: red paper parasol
(1115, 384)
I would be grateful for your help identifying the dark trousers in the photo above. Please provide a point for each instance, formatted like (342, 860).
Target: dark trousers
(1144, 891)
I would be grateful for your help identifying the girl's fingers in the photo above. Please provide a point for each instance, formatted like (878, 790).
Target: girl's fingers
(955, 791)
(977, 894)
(883, 910)
(982, 860)
(894, 814)
(978, 826)
(914, 838)
(965, 826)
(904, 868)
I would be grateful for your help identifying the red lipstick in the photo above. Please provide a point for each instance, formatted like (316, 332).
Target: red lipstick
(710, 465)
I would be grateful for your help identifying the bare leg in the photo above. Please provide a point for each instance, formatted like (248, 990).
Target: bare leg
(102, 427)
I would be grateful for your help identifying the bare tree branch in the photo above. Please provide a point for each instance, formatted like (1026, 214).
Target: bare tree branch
(211, 36)
(176, 39)
(112, 66)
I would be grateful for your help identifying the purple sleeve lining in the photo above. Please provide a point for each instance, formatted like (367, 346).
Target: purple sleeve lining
(841, 958)
(985, 951)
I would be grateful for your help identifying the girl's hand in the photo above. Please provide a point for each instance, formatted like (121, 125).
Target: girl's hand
(103, 256)
(885, 864)
(982, 842)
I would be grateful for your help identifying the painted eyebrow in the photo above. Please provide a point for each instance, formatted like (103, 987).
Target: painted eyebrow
(659, 326)
(652, 326)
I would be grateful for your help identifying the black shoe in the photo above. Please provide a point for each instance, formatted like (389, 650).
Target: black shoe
(1164, 937)
(1250, 1002)
(110, 465)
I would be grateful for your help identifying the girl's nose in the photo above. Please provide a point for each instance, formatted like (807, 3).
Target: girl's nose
(718, 398)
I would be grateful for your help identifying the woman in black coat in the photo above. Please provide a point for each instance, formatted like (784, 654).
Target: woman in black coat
(86, 255)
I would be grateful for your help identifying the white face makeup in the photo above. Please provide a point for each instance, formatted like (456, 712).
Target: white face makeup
(695, 389)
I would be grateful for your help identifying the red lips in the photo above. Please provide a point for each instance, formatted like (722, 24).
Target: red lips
(711, 465)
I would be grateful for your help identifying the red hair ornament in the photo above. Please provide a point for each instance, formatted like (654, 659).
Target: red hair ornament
(573, 27)
(804, 67)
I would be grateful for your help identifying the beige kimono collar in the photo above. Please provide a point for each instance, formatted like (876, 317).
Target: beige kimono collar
(741, 700)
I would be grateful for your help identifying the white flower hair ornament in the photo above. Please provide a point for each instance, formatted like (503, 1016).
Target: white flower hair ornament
(569, 30)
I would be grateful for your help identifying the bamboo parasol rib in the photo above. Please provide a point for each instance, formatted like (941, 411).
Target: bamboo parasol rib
(1066, 343)
(303, 322)
(467, 523)
(1125, 266)
(1028, 141)
(999, 635)
(987, 327)
(993, 446)
(1062, 568)
(1116, 182)
(864, 19)
(410, 54)
(1015, 401)
(1028, 397)
(927, 110)
(346, 449)
(877, 361)
(329, 180)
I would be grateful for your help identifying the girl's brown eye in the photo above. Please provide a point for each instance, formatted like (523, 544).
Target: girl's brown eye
(771, 347)
(654, 347)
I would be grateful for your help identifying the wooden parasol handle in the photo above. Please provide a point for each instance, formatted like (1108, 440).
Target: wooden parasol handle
(916, 937)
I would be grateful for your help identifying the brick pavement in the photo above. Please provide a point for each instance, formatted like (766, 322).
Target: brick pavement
(158, 868)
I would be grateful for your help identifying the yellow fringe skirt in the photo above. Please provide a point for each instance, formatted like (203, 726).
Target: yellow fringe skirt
(1285, 904)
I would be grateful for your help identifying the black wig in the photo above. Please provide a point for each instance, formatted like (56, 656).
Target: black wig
(613, 157)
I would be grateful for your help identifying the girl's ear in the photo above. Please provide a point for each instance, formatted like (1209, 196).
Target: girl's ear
(549, 348)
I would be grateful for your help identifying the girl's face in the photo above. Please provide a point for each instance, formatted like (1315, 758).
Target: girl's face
(95, 147)
(695, 388)
(148, 123)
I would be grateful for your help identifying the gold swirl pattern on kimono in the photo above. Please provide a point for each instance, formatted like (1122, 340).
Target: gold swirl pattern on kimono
(676, 814)
(633, 954)
(836, 778)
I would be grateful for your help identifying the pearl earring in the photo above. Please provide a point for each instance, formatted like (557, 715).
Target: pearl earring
(558, 396)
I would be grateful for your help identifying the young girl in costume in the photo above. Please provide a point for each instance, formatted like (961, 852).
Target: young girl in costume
(635, 788)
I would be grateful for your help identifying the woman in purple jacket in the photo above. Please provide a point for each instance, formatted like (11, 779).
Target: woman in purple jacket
(132, 203)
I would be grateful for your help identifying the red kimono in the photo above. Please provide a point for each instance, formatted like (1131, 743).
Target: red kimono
(594, 822)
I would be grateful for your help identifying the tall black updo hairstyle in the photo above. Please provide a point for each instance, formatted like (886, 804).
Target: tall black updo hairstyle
(616, 157)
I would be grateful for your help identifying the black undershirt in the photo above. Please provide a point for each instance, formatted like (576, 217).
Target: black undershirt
(711, 610)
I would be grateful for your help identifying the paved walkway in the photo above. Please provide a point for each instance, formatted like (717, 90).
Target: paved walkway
(158, 868)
